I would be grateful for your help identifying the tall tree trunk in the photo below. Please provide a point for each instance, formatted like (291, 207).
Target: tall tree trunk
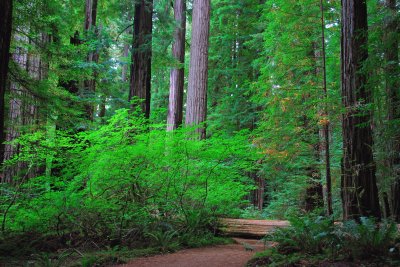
(16, 108)
(90, 25)
(359, 189)
(177, 75)
(324, 132)
(140, 83)
(392, 74)
(196, 109)
(5, 40)
(23, 107)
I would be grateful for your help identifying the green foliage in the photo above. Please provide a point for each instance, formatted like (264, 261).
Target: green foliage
(305, 234)
(123, 182)
(289, 90)
(367, 239)
(316, 239)
(164, 240)
(233, 47)
(253, 213)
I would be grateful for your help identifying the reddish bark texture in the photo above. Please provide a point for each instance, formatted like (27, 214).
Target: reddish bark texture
(196, 109)
(141, 55)
(359, 189)
(177, 75)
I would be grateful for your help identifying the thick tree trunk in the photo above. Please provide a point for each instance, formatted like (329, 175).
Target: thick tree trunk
(175, 107)
(196, 109)
(5, 40)
(392, 72)
(90, 25)
(23, 107)
(140, 81)
(359, 189)
(16, 110)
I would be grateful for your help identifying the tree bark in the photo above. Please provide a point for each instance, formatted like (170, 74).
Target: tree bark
(16, 108)
(90, 25)
(5, 40)
(196, 109)
(177, 75)
(140, 81)
(392, 76)
(359, 189)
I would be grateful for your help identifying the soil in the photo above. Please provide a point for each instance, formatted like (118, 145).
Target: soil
(232, 255)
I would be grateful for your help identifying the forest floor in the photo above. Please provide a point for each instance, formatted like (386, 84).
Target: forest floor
(232, 255)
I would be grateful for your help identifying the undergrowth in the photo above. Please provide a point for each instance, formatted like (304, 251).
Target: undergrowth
(121, 185)
(314, 241)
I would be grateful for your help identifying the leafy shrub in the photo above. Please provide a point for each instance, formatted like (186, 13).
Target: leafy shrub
(366, 239)
(305, 234)
(315, 239)
(164, 239)
(118, 182)
(252, 212)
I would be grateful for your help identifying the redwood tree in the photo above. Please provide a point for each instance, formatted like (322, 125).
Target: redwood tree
(177, 75)
(196, 109)
(5, 39)
(392, 72)
(359, 189)
(141, 55)
(90, 24)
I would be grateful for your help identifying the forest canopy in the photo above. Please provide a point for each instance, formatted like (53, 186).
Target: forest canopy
(121, 119)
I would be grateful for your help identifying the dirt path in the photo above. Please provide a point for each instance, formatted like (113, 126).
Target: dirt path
(232, 255)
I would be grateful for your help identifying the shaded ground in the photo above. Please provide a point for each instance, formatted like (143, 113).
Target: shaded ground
(232, 255)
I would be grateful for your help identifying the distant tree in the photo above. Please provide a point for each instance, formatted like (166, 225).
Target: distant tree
(196, 106)
(5, 40)
(90, 26)
(359, 189)
(324, 130)
(177, 75)
(140, 82)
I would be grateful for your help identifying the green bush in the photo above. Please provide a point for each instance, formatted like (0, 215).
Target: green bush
(312, 239)
(366, 239)
(305, 234)
(120, 181)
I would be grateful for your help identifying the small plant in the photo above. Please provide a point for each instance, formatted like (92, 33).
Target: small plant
(305, 234)
(89, 261)
(46, 260)
(366, 239)
(253, 213)
(164, 239)
(312, 240)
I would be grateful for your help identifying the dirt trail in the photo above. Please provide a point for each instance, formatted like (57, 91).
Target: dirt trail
(232, 255)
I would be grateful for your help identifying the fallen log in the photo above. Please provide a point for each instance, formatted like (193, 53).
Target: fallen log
(249, 228)
(253, 228)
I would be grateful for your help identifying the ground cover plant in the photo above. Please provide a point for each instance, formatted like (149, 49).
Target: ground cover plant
(318, 241)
